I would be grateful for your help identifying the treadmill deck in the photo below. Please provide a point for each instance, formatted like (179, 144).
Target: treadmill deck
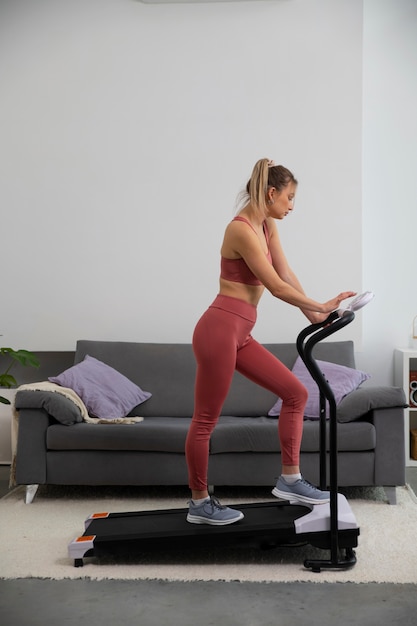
(266, 524)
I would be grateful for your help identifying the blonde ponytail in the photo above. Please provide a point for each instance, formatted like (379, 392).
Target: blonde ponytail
(257, 186)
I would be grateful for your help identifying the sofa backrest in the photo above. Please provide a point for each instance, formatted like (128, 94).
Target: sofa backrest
(167, 370)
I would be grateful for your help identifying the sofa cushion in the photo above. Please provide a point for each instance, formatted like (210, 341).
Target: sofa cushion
(355, 437)
(341, 379)
(156, 434)
(106, 393)
(365, 399)
(260, 434)
(232, 434)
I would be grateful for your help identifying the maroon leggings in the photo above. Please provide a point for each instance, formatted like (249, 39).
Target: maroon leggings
(222, 343)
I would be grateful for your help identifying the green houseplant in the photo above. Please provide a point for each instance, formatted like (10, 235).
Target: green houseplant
(12, 357)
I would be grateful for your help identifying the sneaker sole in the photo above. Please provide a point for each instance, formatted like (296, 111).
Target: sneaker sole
(293, 497)
(196, 519)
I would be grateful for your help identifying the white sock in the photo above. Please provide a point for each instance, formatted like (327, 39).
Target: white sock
(290, 479)
(198, 502)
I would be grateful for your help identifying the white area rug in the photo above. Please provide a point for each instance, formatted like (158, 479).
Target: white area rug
(34, 540)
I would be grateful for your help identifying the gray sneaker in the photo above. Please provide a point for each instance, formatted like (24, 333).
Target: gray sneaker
(212, 512)
(300, 491)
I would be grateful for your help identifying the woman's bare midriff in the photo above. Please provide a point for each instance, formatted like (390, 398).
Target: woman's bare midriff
(248, 293)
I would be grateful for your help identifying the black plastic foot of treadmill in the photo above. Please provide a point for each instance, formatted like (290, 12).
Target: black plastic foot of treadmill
(317, 565)
(78, 563)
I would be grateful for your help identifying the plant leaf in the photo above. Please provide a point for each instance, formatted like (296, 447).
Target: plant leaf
(24, 357)
(7, 380)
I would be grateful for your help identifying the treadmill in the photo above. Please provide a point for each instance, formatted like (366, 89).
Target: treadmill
(331, 527)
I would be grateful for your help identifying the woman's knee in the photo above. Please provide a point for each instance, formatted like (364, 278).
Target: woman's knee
(203, 425)
(297, 395)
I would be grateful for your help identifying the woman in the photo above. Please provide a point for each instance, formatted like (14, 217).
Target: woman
(252, 259)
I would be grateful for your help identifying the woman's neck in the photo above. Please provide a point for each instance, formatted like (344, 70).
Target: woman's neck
(252, 215)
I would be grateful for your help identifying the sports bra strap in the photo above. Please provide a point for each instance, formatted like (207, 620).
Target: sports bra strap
(238, 218)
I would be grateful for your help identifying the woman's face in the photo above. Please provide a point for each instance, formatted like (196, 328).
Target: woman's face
(281, 202)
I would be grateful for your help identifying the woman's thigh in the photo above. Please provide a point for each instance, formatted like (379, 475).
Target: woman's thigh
(259, 365)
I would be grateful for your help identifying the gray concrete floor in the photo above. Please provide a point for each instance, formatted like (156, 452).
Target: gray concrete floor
(32, 602)
(156, 603)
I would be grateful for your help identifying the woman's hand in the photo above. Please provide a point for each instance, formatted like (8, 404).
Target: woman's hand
(316, 317)
(323, 310)
(334, 304)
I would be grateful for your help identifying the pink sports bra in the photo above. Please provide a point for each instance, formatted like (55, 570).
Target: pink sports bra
(236, 270)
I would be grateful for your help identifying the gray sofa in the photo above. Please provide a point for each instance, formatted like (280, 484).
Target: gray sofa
(55, 447)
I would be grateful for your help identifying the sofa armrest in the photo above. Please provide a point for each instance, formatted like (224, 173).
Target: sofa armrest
(31, 446)
(365, 399)
(56, 404)
(390, 446)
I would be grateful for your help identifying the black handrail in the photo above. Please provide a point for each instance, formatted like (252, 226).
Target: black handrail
(318, 332)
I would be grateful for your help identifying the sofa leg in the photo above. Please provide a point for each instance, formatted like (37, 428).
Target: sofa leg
(30, 493)
(391, 493)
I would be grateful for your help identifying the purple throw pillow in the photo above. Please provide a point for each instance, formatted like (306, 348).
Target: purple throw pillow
(341, 379)
(106, 393)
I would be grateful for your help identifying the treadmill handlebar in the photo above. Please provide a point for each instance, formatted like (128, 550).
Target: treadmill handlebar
(334, 322)
(319, 331)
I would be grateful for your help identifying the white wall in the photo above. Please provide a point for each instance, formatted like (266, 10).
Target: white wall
(127, 131)
(389, 180)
